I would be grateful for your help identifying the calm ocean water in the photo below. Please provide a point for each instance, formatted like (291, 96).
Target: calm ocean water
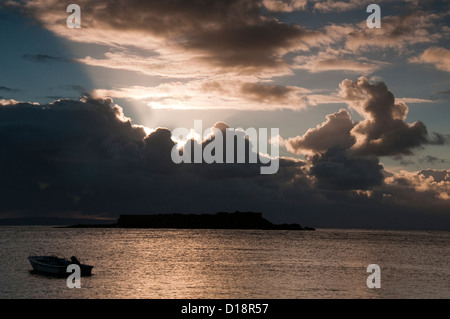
(168, 263)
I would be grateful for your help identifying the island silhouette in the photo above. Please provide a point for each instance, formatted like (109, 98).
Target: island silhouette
(220, 220)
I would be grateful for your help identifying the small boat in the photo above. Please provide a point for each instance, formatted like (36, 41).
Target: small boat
(53, 265)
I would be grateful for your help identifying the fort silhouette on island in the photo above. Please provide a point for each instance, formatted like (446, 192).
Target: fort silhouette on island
(221, 220)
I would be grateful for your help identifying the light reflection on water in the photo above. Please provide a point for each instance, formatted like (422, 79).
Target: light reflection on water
(170, 263)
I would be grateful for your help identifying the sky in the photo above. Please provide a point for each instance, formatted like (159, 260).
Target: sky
(87, 114)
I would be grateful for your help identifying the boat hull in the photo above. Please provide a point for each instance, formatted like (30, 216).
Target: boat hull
(55, 266)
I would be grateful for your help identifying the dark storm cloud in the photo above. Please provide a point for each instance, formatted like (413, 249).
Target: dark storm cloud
(334, 169)
(251, 161)
(85, 158)
(231, 32)
(266, 92)
(256, 44)
(226, 33)
(69, 146)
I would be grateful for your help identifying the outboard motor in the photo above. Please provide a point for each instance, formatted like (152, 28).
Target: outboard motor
(74, 260)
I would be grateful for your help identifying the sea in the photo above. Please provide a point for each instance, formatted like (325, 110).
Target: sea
(228, 264)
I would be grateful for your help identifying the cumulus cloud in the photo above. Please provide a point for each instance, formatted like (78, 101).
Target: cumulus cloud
(423, 188)
(334, 132)
(438, 175)
(383, 130)
(331, 164)
(343, 155)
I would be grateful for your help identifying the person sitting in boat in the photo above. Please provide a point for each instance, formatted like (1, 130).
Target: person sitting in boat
(74, 260)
